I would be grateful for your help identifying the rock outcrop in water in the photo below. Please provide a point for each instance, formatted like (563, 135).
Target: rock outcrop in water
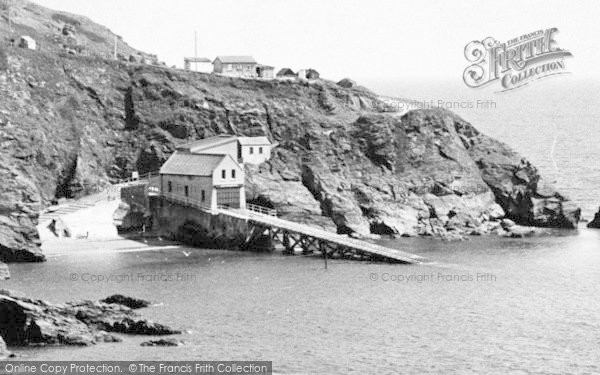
(595, 223)
(69, 125)
(24, 321)
(132, 303)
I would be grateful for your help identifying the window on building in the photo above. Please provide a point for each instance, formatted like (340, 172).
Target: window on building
(251, 150)
(223, 174)
(203, 195)
(233, 173)
(170, 186)
(260, 150)
(186, 190)
(229, 66)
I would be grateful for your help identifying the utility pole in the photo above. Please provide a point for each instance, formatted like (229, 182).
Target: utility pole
(196, 49)
(7, 4)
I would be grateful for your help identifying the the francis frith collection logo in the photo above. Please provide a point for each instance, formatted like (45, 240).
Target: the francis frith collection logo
(515, 63)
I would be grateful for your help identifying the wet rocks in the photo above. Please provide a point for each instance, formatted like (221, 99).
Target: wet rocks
(24, 321)
(115, 318)
(595, 223)
(103, 336)
(132, 303)
(519, 231)
(163, 342)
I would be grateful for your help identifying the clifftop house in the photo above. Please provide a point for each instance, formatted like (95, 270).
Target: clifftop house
(308, 74)
(200, 64)
(236, 66)
(287, 73)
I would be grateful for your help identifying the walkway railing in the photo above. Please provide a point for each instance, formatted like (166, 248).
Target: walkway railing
(141, 178)
(261, 209)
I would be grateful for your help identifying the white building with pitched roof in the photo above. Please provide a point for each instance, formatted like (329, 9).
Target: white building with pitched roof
(236, 66)
(250, 150)
(254, 150)
(209, 172)
(203, 179)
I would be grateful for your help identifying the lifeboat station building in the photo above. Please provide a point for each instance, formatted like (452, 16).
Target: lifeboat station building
(210, 173)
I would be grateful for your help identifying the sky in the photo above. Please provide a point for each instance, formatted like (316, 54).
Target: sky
(362, 39)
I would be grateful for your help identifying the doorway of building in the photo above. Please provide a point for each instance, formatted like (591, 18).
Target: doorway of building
(229, 197)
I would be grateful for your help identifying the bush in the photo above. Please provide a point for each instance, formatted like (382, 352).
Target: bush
(3, 59)
(66, 19)
(92, 36)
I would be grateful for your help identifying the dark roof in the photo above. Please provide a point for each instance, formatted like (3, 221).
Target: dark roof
(236, 59)
(208, 142)
(197, 59)
(286, 72)
(347, 83)
(188, 164)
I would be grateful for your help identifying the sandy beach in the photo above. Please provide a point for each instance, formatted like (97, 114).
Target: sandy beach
(93, 231)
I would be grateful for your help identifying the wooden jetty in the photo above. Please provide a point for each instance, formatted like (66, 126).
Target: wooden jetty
(296, 237)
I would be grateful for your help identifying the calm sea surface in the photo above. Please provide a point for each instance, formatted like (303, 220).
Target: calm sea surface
(485, 306)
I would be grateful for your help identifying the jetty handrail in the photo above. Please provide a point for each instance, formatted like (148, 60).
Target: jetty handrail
(140, 178)
(314, 232)
(186, 201)
(261, 209)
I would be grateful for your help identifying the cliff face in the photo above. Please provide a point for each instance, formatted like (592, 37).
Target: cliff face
(70, 125)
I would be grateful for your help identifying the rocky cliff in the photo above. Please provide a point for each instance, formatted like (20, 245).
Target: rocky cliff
(70, 124)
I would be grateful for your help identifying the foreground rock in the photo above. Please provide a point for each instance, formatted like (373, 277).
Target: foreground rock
(595, 223)
(24, 321)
